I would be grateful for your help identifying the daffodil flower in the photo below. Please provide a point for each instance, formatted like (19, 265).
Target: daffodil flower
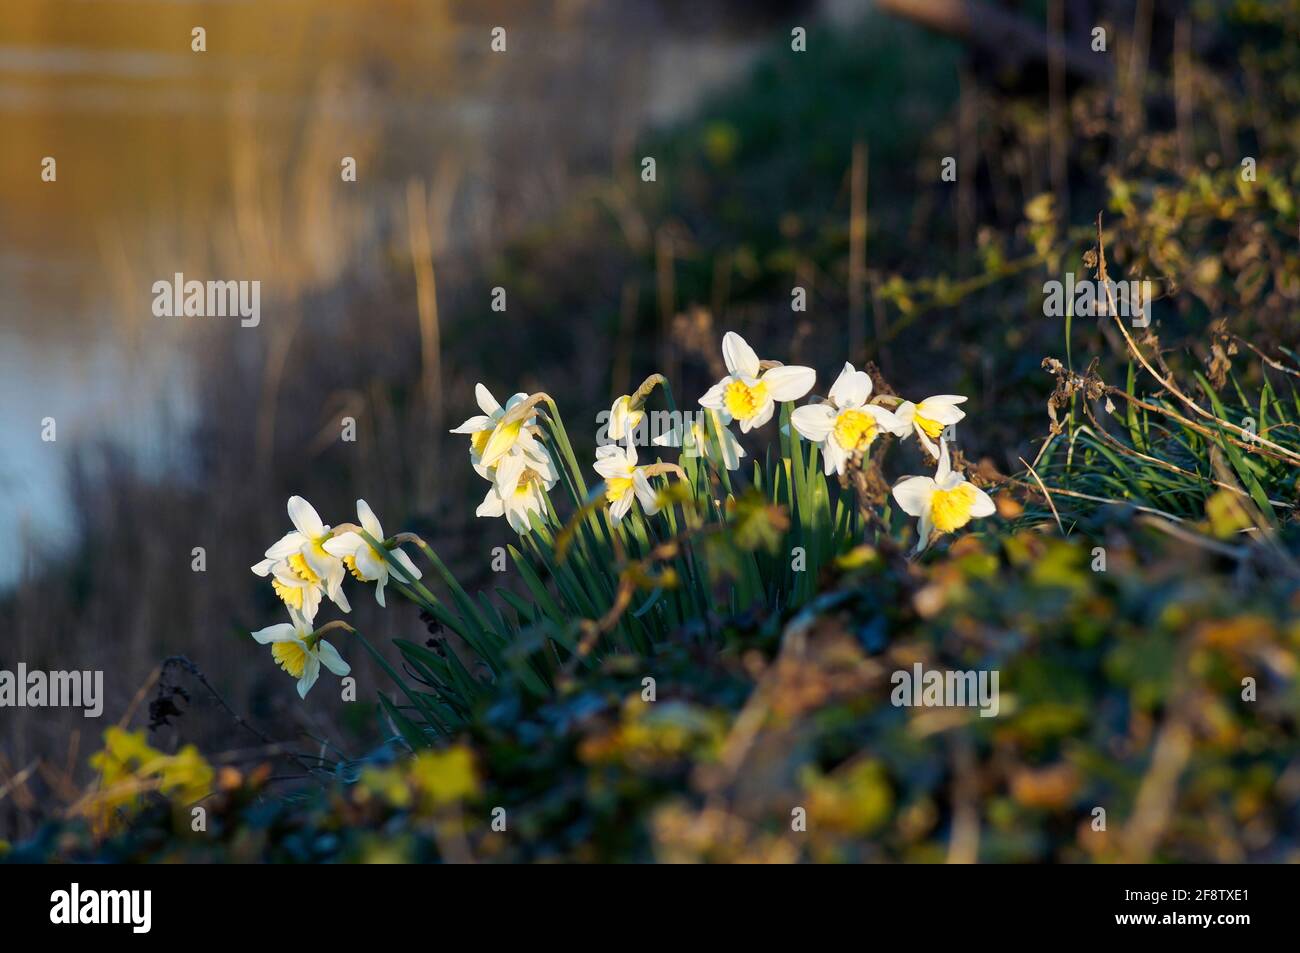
(945, 503)
(845, 423)
(519, 487)
(363, 560)
(748, 393)
(730, 447)
(294, 591)
(623, 418)
(303, 550)
(301, 653)
(624, 481)
(930, 417)
(490, 437)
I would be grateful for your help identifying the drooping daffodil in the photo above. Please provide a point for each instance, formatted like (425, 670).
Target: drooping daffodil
(624, 418)
(490, 437)
(362, 559)
(303, 550)
(300, 652)
(844, 424)
(930, 417)
(519, 487)
(945, 502)
(624, 481)
(749, 393)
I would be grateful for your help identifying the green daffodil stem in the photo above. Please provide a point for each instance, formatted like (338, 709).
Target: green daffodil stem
(562, 440)
(314, 639)
(395, 568)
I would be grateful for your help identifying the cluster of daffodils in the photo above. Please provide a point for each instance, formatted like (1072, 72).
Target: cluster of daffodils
(505, 450)
(506, 445)
(849, 421)
(509, 449)
(311, 561)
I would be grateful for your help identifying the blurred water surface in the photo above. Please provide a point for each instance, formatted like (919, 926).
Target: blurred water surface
(224, 164)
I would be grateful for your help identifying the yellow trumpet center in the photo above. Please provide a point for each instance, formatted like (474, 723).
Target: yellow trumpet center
(290, 595)
(932, 428)
(351, 563)
(854, 430)
(298, 563)
(479, 441)
(950, 509)
(291, 656)
(616, 487)
(744, 400)
(526, 481)
(501, 440)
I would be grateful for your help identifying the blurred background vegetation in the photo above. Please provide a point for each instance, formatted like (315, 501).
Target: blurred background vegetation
(775, 169)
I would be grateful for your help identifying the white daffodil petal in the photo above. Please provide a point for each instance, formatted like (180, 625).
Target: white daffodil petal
(371, 565)
(492, 505)
(942, 476)
(486, 402)
(539, 458)
(280, 632)
(339, 597)
(715, 399)
(943, 413)
(517, 517)
(913, 495)
(305, 518)
(403, 560)
(834, 457)
(851, 388)
(611, 466)
(763, 416)
(620, 417)
(983, 505)
(320, 561)
(288, 544)
(732, 451)
(618, 509)
(331, 659)
(369, 522)
(311, 672)
(885, 420)
(474, 425)
(509, 470)
(924, 529)
(789, 382)
(645, 492)
(814, 421)
(926, 442)
(739, 356)
(344, 544)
